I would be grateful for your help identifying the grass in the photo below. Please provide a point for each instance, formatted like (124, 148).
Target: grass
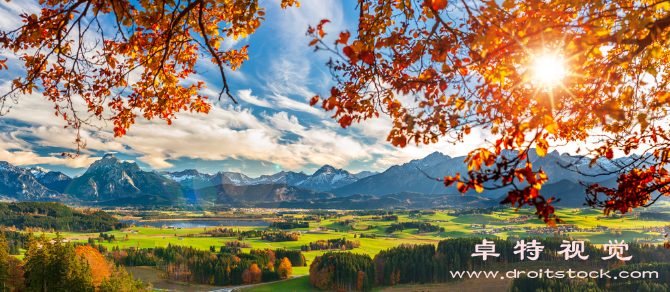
(453, 227)
(298, 284)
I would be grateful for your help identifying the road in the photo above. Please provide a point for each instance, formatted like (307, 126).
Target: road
(237, 288)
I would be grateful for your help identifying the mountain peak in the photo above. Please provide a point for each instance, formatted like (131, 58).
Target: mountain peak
(38, 172)
(4, 165)
(326, 169)
(108, 161)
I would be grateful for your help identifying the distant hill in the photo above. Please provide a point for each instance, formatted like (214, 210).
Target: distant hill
(232, 194)
(146, 200)
(404, 200)
(324, 179)
(109, 180)
(48, 215)
(411, 177)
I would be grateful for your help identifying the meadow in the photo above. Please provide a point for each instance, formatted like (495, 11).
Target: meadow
(330, 228)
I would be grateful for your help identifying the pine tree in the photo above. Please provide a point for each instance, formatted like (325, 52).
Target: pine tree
(36, 262)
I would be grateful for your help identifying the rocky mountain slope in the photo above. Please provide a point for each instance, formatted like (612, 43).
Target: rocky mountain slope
(324, 179)
(110, 178)
(19, 184)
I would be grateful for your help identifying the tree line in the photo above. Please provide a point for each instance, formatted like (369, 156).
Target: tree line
(421, 226)
(342, 271)
(660, 284)
(59, 266)
(430, 264)
(290, 224)
(335, 243)
(56, 216)
(192, 265)
(274, 236)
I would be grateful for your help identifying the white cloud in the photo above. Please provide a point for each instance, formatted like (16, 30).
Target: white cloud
(246, 96)
(278, 102)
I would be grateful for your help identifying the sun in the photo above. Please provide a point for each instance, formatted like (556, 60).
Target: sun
(548, 70)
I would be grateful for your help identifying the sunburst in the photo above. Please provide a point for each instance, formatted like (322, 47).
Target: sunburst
(548, 70)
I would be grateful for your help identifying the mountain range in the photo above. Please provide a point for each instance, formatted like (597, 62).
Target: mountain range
(110, 179)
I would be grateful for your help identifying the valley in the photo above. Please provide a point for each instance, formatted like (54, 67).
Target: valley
(367, 229)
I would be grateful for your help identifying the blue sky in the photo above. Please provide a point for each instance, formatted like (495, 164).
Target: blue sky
(272, 128)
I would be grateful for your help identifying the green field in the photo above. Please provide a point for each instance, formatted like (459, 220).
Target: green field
(148, 237)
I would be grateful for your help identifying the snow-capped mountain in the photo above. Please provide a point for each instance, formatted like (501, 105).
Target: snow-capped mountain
(410, 176)
(54, 180)
(20, 184)
(110, 178)
(365, 173)
(326, 178)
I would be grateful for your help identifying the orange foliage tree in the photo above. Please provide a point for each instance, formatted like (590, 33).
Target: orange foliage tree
(256, 273)
(360, 281)
(100, 268)
(247, 278)
(439, 69)
(16, 279)
(73, 57)
(285, 268)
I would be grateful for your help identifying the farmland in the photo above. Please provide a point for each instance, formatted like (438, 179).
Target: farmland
(371, 232)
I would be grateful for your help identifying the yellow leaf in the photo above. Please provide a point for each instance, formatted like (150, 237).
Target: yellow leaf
(542, 147)
(552, 128)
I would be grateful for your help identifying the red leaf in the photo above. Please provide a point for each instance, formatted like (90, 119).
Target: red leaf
(314, 100)
(368, 58)
(345, 121)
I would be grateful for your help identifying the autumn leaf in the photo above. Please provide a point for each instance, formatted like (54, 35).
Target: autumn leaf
(439, 4)
(344, 38)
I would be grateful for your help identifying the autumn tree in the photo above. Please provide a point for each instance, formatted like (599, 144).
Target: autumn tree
(87, 52)
(256, 273)
(16, 279)
(285, 268)
(528, 74)
(247, 278)
(100, 268)
(4, 263)
(122, 281)
(55, 266)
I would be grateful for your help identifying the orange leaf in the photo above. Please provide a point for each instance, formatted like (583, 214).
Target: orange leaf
(344, 38)
(440, 4)
(314, 100)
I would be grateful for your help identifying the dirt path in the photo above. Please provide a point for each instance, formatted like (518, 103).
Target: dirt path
(151, 275)
(470, 285)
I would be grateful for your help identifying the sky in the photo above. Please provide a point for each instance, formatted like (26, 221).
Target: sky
(273, 128)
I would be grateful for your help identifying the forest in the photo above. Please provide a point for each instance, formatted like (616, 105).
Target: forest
(62, 267)
(429, 264)
(290, 224)
(335, 243)
(525, 283)
(192, 265)
(342, 271)
(55, 216)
